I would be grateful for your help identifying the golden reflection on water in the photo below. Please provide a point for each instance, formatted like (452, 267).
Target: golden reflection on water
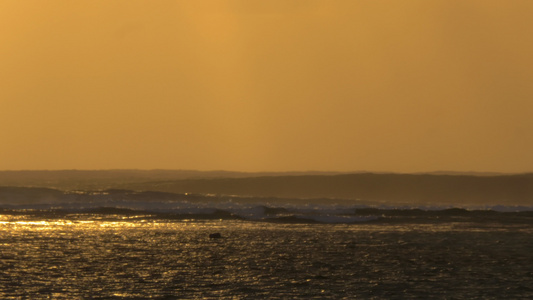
(104, 257)
(116, 223)
(60, 226)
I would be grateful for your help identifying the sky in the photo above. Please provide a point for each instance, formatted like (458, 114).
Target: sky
(277, 85)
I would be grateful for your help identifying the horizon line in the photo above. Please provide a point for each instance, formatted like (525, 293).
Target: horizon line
(435, 172)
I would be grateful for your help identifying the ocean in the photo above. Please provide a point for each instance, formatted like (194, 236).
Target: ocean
(127, 245)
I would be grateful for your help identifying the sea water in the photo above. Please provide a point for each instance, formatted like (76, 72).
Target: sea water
(93, 256)
(127, 245)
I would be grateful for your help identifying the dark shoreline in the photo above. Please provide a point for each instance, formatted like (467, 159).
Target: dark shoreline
(430, 189)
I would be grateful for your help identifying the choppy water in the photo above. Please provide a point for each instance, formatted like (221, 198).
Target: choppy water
(121, 256)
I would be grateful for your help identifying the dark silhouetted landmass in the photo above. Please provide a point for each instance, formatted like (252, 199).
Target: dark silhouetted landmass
(404, 188)
(364, 187)
(107, 179)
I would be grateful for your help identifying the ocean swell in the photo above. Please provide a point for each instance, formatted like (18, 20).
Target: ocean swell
(157, 205)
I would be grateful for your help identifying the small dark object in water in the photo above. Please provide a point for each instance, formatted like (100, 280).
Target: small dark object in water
(215, 235)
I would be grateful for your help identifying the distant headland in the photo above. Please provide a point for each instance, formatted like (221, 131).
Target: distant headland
(430, 188)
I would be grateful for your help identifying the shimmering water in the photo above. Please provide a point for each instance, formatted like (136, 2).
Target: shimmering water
(116, 257)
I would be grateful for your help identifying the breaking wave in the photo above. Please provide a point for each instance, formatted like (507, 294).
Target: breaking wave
(120, 204)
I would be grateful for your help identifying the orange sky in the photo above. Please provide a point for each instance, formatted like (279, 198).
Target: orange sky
(275, 85)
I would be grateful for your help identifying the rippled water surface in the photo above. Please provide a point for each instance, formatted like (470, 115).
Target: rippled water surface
(115, 257)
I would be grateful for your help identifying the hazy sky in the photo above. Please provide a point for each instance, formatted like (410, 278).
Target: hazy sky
(267, 85)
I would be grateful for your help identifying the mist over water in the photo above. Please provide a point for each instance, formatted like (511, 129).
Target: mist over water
(51, 203)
